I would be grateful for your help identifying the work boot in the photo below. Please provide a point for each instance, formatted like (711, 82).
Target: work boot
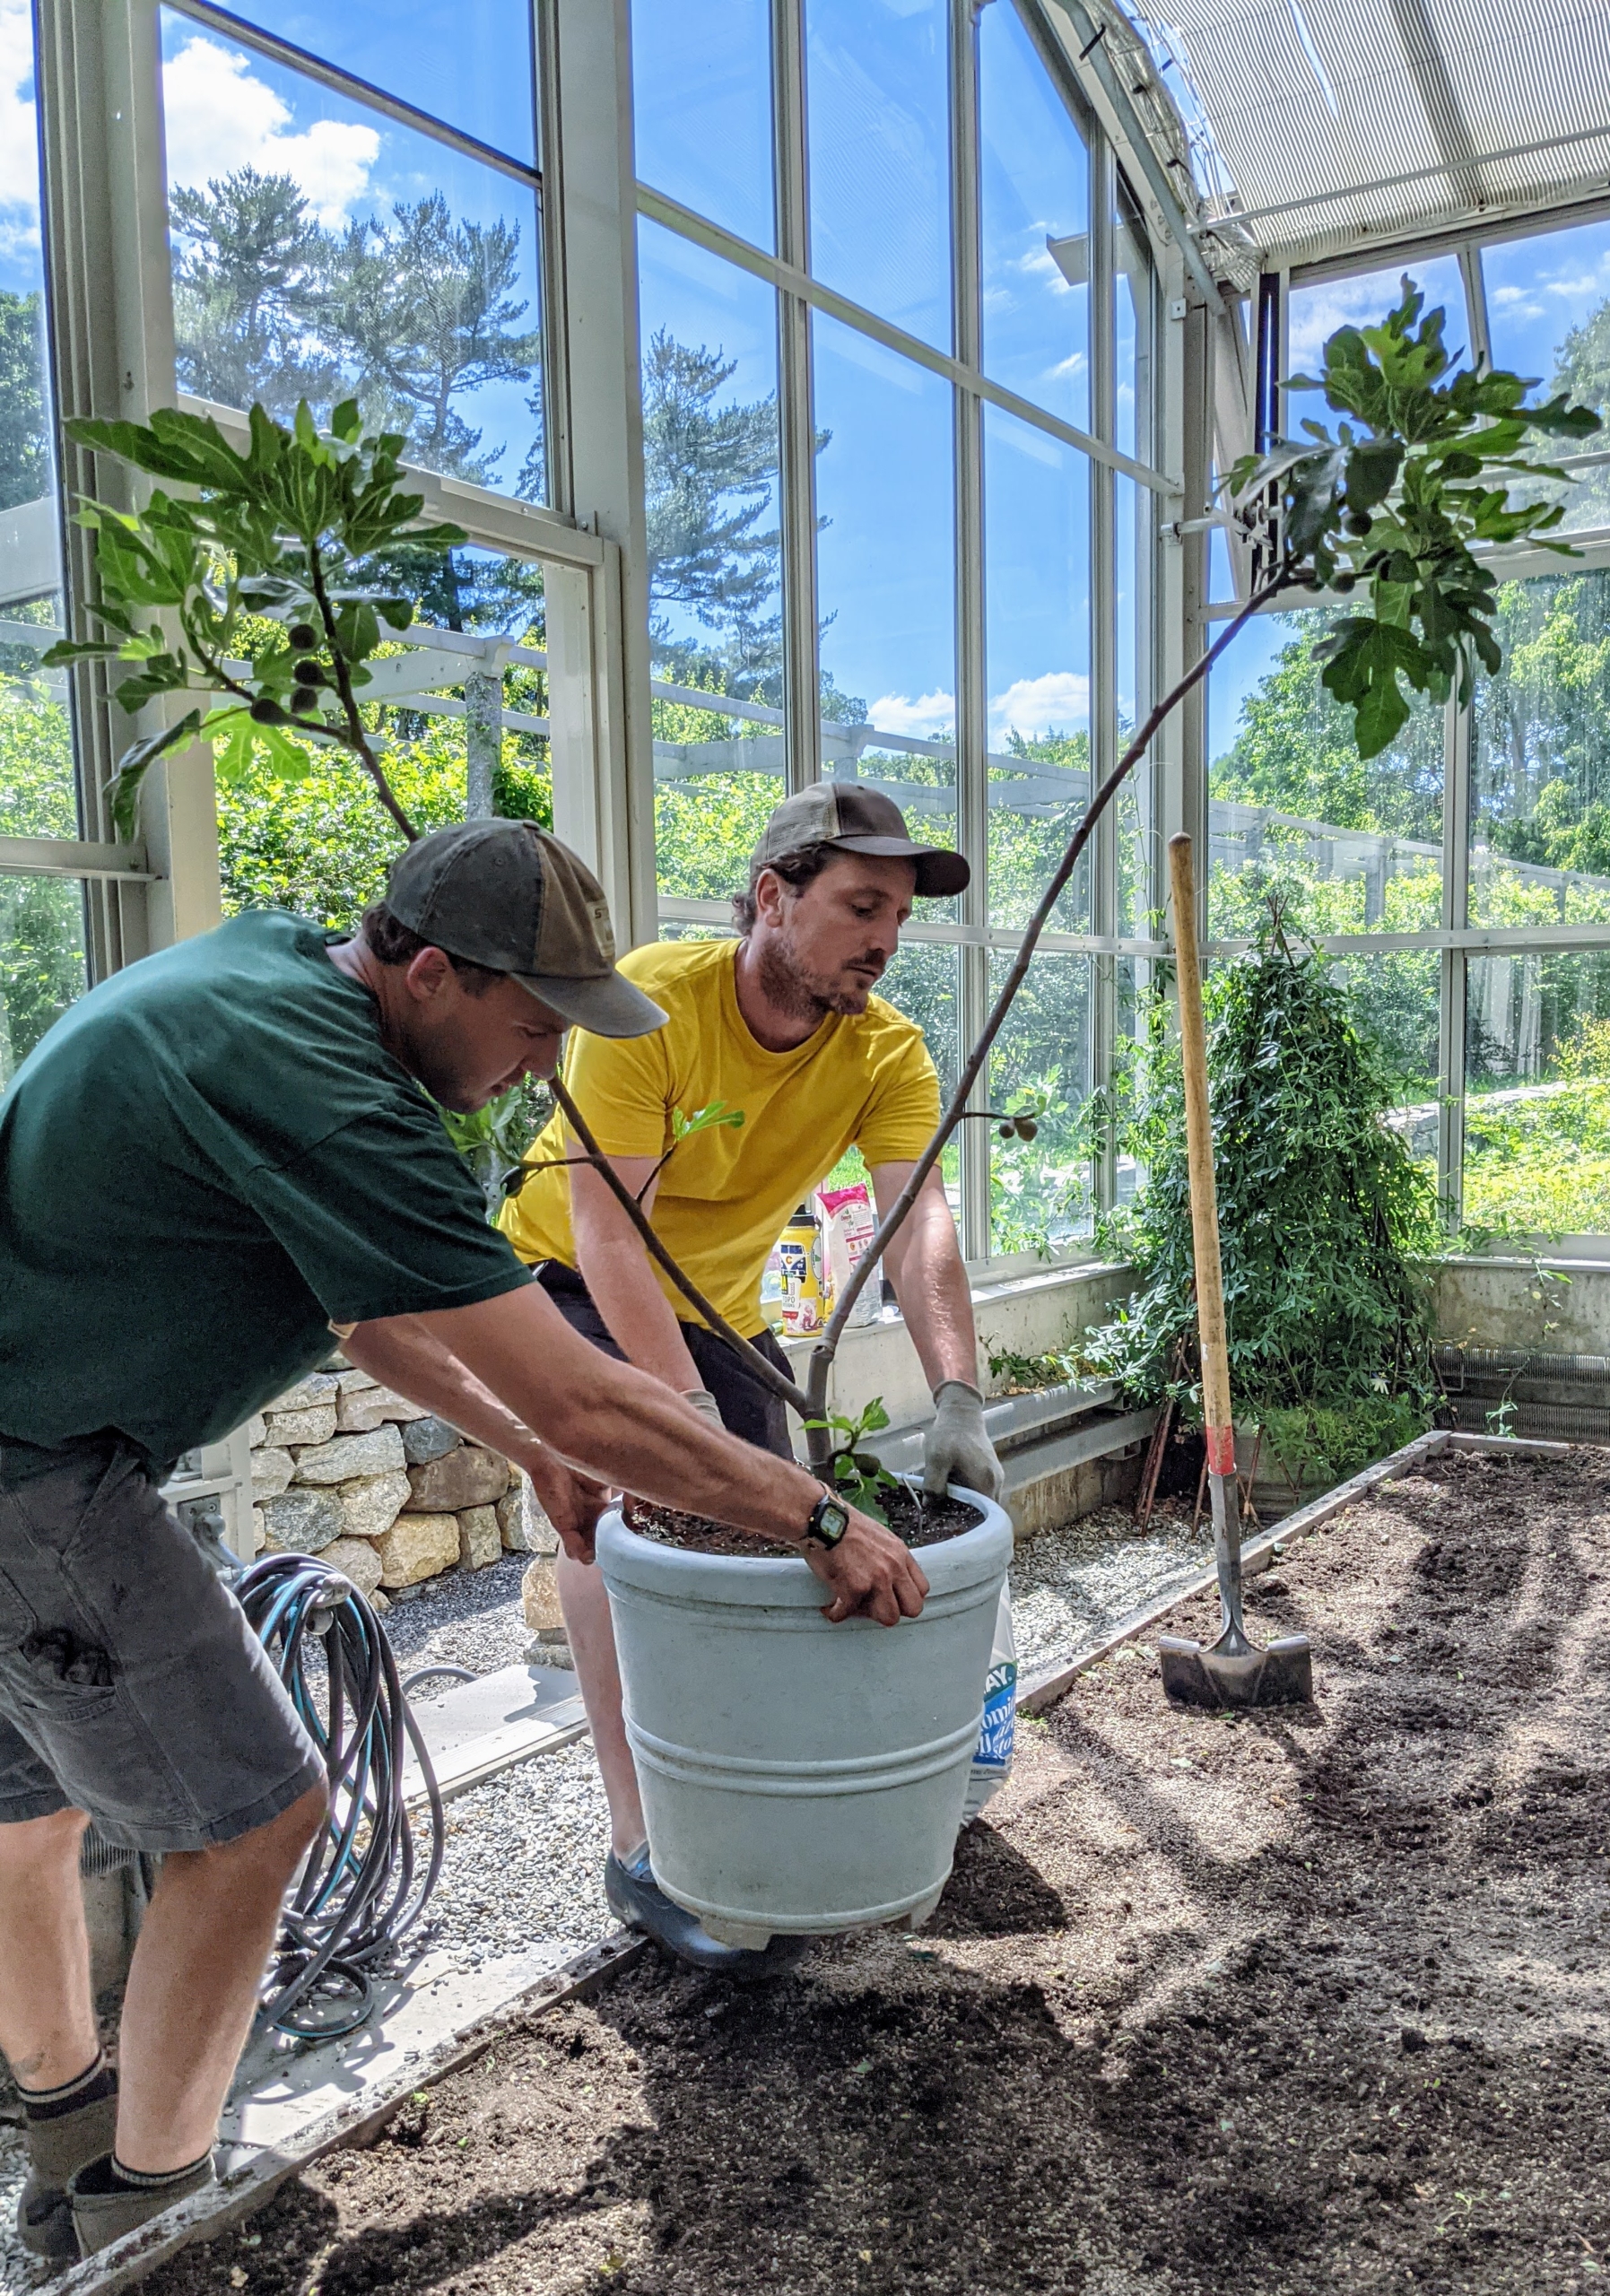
(59, 2142)
(638, 1902)
(104, 2208)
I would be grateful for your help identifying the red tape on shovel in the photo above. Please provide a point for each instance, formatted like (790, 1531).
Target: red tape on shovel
(1231, 1671)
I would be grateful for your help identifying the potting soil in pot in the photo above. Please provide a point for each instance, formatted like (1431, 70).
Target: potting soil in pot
(913, 1517)
(1313, 2004)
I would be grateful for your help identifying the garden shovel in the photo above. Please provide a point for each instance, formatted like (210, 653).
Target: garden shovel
(1231, 1671)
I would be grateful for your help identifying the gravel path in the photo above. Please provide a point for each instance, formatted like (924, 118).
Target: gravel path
(18, 2269)
(471, 1618)
(524, 1863)
(1071, 1585)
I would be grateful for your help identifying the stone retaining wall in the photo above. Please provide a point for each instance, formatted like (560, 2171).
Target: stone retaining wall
(344, 1468)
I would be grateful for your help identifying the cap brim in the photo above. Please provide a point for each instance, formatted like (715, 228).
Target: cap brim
(939, 871)
(605, 1004)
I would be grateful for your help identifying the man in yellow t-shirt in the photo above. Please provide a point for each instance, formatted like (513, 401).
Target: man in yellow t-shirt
(782, 1025)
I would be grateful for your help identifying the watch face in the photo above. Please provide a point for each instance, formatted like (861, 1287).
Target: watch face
(830, 1519)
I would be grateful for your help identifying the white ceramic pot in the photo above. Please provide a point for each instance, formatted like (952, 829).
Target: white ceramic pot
(798, 1776)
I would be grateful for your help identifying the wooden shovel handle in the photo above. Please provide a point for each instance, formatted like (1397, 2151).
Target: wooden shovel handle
(1212, 1333)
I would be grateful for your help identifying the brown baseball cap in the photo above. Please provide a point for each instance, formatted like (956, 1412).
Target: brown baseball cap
(508, 895)
(854, 819)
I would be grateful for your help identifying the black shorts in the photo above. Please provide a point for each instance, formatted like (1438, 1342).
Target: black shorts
(131, 1685)
(747, 1408)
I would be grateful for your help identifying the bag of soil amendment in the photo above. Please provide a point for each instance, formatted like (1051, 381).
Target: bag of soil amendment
(992, 1760)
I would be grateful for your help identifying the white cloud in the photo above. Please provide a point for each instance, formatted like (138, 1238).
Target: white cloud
(19, 147)
(1363, 300)
(1042, 265)
(897, 713)
(1057, 703)
(219, 117)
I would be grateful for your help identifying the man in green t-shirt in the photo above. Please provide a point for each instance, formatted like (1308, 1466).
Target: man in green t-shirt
(215, 1159)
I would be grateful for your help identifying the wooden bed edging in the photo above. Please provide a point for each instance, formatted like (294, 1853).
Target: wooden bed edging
(1045, 1687)
(358, 2122)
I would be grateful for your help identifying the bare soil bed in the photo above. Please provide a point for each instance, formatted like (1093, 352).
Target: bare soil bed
(1309, 2001)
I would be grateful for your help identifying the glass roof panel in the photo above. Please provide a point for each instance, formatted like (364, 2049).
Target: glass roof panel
(466, 62)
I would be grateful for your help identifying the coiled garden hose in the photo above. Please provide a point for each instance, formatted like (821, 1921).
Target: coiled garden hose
(361, 1890)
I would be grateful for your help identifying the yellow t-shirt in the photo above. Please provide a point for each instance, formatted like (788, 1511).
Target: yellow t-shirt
(727, 1194)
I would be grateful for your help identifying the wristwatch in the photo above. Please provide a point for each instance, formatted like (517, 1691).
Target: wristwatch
(830, 1519)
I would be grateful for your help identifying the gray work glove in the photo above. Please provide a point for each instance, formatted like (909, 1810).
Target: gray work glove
(956, 1447)
(706, 1405)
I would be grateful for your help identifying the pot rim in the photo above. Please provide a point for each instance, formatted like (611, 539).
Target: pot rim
(772, 1581)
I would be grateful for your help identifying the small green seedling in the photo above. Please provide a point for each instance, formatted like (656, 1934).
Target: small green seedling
(861, 1477)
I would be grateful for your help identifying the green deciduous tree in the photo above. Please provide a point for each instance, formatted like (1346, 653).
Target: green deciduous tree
(24, 436)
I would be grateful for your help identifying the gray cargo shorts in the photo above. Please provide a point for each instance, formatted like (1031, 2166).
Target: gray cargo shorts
(131, 1685)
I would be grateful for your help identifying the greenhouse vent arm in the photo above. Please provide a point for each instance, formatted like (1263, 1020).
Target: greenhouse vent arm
(823, 1355)
(767, 1373)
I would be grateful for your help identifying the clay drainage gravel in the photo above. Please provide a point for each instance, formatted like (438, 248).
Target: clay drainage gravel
(1311, 2001)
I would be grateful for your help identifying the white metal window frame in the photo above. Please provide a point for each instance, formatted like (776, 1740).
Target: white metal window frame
(1173, 582)
(110, 313)
(111, 327)
(1455, 939)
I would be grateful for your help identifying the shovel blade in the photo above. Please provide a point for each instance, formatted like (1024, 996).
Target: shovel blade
(1280, 1674)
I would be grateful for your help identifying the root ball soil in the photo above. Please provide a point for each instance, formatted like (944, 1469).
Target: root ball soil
(1309, 2001)
(912, 1516)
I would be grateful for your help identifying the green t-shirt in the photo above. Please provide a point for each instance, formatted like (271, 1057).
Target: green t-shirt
(206, 1162)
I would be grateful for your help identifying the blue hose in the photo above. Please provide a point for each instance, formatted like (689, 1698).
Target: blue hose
(361, 1890)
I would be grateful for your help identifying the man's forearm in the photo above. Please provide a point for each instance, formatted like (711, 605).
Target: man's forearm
(618, 1272)
(639, 1318)
(403, 1355)
(936, 1298)
(616, 1423)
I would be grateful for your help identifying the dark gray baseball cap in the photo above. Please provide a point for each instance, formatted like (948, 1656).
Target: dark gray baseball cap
(508, 895)
(857, 820)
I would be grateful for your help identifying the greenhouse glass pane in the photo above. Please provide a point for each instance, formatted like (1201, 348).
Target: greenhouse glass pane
(465, 61)
(701, 102)
(42, 966)
(885, 591)
(38, 787)
(1135, 519)
(1397, 1000)
(1347, 846)
(878, 105)
(1364, 300)
(1034, 214)
(710, 451)
(1041, 1193)
(321, 250)
(1136, 981)
(1132, 328)
(921, 983)
(1540, 758)
(1538, 1102)
(1037, 646)
(323, 847)
(1548, 314)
